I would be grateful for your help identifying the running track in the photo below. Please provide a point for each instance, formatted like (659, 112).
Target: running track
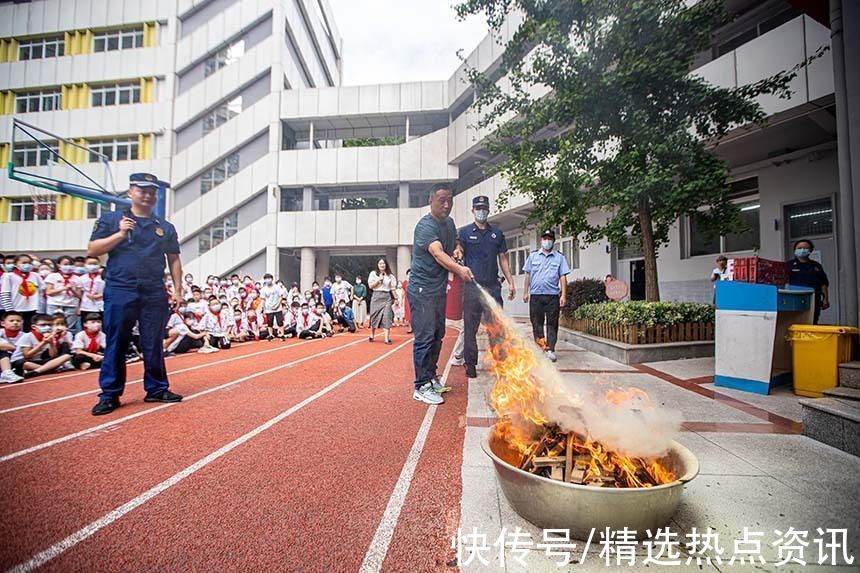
(284, 456)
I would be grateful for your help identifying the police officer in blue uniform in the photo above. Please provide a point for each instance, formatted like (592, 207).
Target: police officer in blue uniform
(803, 271)
(137, 243)
(484, 250)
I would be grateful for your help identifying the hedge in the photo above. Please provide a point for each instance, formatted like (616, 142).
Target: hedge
(645, 313)
(585, 291)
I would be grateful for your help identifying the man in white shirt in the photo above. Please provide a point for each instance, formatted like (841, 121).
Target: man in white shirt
(341, 290)
(308, 323)
(272, 295)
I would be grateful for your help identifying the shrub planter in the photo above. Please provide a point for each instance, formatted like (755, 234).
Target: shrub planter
(636, 332)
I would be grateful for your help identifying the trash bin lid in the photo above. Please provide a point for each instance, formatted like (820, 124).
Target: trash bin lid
(823, 329)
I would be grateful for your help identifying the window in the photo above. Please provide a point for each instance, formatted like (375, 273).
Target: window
(224, 57)
(115, 149)
(810, 219)
(220, 231)
(30, 102)
(30, 209)
(218, 173)
(631, 250)
(116, 94)
(94, 210)
(222, 114)
(118, 40)
(702, 242)
(569, 247)
(291, 199)
(34, 154)
(755, 31)
(39, 48)
(518, 251)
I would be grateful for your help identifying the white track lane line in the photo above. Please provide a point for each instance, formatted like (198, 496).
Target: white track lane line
(94, 429)
(378, 549)
(139, 380)
(62, 546)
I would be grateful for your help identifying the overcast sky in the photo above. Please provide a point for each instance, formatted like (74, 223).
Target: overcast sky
(387, 41)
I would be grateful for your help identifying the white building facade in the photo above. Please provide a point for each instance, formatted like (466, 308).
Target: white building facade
(273, 164)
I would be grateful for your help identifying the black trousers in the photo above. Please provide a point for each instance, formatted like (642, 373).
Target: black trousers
(545, 308)
(473, 313)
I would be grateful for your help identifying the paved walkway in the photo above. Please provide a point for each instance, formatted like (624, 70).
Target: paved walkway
(756, 471)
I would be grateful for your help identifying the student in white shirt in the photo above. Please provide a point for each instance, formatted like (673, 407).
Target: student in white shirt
(187, 285)
(10, 334)
(232, 291)
(61, 288)
(88, 345)
(308, 323)
(272, 306)
(341, 290)
(46, 348)
(253, 323)
(198, 305)
(19, 289)
(721, 271)
(91, 288)
(326, 324)
(186, 336)
(216, 324)
(238, 331)
(46, 267)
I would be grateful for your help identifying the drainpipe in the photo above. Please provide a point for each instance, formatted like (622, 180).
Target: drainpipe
(848, 140)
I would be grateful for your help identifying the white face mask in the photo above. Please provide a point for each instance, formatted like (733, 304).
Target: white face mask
(215, 308)
(481, 216)
(267, 282)
(93, 327)
(547, 244)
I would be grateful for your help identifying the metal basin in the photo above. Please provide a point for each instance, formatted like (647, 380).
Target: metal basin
(551, 504)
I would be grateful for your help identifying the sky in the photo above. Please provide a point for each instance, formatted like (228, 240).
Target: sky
(387, 41)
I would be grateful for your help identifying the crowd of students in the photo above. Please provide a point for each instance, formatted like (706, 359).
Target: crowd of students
(52, 313)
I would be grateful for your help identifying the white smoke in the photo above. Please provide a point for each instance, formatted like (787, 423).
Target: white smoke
(635, 426)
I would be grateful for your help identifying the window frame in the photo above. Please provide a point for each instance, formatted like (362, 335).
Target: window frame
(34, 154)
(34, 101)
(227, 166)
(225, 228)
(135, 34)
(688, 230)
(221, 114)
(21, 204)
(519, 248)
(115, 92)
(223, 58)
(110, 148)
(26, 48)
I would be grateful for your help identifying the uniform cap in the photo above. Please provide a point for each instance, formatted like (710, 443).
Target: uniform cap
(548, 233)
(481, 201)
(143, 180)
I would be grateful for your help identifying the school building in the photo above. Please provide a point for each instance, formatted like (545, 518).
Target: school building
(275, 166)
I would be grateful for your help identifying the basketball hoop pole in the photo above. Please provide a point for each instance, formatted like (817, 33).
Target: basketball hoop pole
(70, 189)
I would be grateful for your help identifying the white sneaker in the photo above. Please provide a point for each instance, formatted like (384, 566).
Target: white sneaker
(207, 350)
(9, 377)
(427, 395)
(551, 355)
(458, 361)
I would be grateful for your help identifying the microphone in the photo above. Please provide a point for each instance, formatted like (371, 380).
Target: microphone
(128, 237)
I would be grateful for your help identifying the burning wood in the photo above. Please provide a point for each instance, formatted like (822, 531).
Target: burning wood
(575, 459)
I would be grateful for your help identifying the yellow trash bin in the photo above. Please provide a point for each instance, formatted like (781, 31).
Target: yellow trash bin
(817, 351)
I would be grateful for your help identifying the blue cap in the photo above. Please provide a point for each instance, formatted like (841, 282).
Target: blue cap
(143, 180)
(481, 201)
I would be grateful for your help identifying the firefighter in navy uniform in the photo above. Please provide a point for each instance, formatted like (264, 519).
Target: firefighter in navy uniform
(803, 271)
(137, 243)
(484, 250)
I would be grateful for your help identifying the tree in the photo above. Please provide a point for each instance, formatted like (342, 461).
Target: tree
(595, 108)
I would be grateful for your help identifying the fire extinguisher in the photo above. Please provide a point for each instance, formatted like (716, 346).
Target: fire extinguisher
(454, 298)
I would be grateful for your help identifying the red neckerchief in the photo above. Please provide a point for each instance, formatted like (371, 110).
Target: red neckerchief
(252, 318)
(218, 316)
(25, 290)
(93, 346)
(66, 279)
(38, 335)
(239, 323)
(92, 281)
(10, 334)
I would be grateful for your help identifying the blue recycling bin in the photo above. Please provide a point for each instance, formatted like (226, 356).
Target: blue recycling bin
(751, 351)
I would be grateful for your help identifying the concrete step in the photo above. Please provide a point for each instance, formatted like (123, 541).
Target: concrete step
(849, 374)
(833, 421)
(844, 393)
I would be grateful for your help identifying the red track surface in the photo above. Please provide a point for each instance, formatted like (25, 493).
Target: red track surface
(306, 493)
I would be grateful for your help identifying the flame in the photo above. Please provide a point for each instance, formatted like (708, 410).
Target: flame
(518, 398)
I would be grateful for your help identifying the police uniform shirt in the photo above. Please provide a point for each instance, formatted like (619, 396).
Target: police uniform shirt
(481, 250)
(545, 271)
(428, 276)
(137, 262)
(807, 274)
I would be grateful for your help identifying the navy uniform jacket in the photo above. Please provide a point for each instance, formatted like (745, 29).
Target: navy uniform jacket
(809, 274)
(481, 250)
(138, 263)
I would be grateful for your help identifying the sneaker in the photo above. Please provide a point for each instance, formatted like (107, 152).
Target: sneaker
(9, 377)
(207, 350)
(65, 367)
(458, 361)
(105, 406)
(551, 355)
(164, 396)
(471, 371)
(436, 383)
(427, 395)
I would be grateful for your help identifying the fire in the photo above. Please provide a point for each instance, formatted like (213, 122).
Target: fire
(535, 441)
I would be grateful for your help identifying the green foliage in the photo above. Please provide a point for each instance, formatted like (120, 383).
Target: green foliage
(373, 141)
(598, 111)
(585, 291)
(645, 313)
(364, 203)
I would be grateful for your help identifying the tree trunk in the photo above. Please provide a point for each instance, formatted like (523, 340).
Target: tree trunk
(649, 251)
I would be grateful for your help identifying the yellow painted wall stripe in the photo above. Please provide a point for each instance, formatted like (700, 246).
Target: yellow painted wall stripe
(149, 38)
(4, 209)
(4, 155)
